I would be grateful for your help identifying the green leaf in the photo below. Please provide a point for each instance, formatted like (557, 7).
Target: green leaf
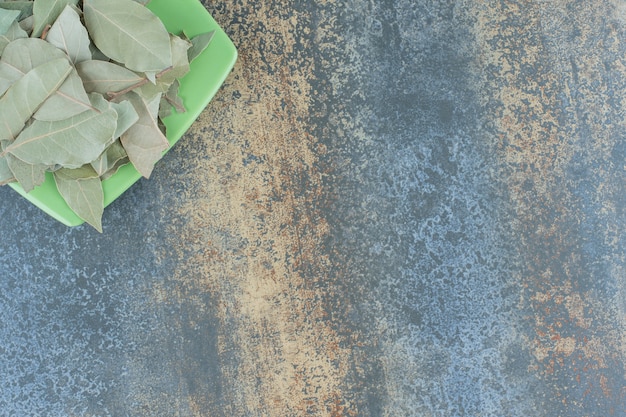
(141, 42)
(14, 32)
(69, 100)
(104, 77)
(45, 12)
(198, 44)
(25, 96)
(71, 143)
(109, 158)
(24, 7)
(7, 18)
(29, 176)
(69, 35)
(82, 191)
(144, 142)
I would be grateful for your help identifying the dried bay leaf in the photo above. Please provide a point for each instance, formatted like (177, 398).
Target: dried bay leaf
(180, 61)
(179, 68)
(144, 142)
(8, 75)
(6, 176)
(22, 55)
(28, 53)
(162, 126)
(151, 76)
(104, 77)
(25, 96)
(141, 42)
(69, 100)
(25, 8)
(126, 114)
(97, 54)
(28, 175)
(171, 99)
(113, 72)
(109, 158)
(46, 12)
(27, 24)
(71, 143)
(15, 32)
(149, 90)
(165, 108)
(82, 191)
(115, 168)
(7, 18)
(198, 44)
(69, 35)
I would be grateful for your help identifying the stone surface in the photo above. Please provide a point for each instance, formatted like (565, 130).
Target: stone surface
(391, 208)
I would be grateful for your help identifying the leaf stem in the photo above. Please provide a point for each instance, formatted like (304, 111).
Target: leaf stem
(177, 106)
(113, 95)
(44, 33)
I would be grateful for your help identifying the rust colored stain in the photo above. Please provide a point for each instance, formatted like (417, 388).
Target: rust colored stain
(257, 217)
(549, 71)
(253, 218)
(391, 208)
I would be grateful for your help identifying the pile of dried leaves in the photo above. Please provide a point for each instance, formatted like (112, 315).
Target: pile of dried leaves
(83, 88)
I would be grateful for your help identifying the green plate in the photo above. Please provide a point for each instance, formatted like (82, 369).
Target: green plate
(208, 72)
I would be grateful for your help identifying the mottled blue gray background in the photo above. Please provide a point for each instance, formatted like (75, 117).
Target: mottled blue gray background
(391, 208)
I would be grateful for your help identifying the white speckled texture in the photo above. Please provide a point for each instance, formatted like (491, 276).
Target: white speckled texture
(391, 208)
